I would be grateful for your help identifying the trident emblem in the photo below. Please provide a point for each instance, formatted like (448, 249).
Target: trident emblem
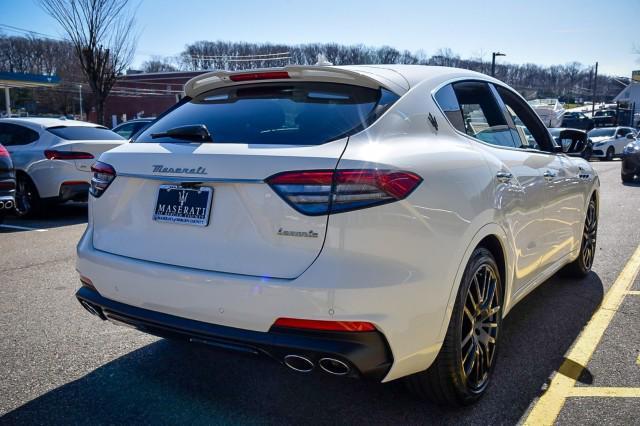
(182, 197)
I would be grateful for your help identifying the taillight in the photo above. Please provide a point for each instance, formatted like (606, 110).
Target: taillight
(249, 76)
(67, 155)
(323, 325)
(103, 175)
(3, 151)
(320, 192)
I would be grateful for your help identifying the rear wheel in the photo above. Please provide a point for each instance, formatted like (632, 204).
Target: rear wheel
(610, 153)
(582, 265)
(28, 202)
(463, 368)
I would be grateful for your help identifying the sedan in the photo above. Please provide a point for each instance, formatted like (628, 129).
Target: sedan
(363, 221)
(53, 158)
(7, 183)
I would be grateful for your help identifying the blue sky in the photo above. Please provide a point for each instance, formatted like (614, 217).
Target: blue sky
(542, 32)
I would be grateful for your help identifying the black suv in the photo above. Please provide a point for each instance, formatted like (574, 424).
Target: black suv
(7, 183)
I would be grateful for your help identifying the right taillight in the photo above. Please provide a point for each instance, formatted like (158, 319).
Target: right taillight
(103, 175)
(320, 192)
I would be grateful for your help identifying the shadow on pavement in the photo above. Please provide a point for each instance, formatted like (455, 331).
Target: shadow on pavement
(169, 382)
(52, 217)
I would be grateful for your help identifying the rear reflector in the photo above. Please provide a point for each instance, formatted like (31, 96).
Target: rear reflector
(3, 151)
(67, 155)
(103, 175)
(273, 75)
(320, 192)
(306, 324)
(86, 282)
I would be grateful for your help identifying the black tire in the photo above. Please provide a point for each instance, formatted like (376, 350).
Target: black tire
(580, 267)
(453, 378)
(610, 154)
(28, 202)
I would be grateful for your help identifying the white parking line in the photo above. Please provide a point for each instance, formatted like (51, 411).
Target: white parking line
(23, 228)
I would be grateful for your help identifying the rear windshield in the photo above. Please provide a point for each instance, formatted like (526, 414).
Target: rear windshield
(289, 114)
(84, 133)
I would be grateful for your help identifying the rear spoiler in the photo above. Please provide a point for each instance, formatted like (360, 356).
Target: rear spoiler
(213, 80)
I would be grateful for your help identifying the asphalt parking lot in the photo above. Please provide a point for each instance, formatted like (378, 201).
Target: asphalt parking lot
(60, 365)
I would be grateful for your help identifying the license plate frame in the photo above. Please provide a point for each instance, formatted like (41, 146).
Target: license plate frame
(179, 208)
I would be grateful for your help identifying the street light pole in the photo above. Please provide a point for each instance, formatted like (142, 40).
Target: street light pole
(493, 62)
(80, 90)
(595, 87)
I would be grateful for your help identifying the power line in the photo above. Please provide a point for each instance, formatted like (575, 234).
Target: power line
(24, 30)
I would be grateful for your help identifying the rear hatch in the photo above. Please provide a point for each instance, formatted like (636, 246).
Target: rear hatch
(257, 131)
(84, 144)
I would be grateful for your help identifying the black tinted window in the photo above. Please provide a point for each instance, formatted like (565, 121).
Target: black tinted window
(290, 114)
(13, 134)
(448, 102)
(482, 117)
(82, 133)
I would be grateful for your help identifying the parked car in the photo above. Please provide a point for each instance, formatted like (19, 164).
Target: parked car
(630, 170)
(129, 128)
(7, 183)
(605, 118)
(577, 120)
(53, 158)
(347, 220)
(574, 142)
(609, 142)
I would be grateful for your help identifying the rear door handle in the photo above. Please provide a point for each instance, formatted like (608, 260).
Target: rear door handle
(549, 175)
(504, 177)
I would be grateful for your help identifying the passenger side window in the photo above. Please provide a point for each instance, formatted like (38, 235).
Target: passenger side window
(13, 134)
(482, 117)
(528, 130)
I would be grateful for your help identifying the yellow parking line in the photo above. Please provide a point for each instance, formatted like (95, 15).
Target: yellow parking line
(633, 293)
(605, 392)
(546, 410)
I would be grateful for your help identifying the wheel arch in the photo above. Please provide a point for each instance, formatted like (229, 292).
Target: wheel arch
(494, 238)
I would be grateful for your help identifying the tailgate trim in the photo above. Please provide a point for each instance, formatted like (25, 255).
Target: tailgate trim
(189, 178)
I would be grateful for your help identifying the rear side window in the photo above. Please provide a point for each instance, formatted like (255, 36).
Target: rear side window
(13, 134)
(481, 115)
(289, 114)
(82, 133)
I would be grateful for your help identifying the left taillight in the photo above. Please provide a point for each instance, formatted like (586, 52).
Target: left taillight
(103, 175)
(52, 154)
(320, 192)
(3, 151)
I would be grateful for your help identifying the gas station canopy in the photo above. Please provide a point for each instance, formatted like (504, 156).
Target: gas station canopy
(10, 80)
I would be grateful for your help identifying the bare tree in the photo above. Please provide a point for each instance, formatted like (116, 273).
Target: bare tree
(103, 36)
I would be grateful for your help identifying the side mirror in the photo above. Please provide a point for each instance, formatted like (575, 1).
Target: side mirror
(630, 136)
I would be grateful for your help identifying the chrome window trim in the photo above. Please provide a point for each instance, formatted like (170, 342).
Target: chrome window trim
(459, 79)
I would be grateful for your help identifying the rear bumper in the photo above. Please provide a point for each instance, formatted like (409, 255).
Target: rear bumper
(366, 353)
(74, 190)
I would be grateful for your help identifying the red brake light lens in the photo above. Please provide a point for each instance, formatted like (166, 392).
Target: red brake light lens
(305, 324)
(3, 151)
(272, 75)
(103, 175)
(67, 155)
(320, 192)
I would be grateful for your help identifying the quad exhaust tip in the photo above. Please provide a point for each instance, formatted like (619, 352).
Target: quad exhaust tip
(298, 363)
(8, 204)
(334, 366)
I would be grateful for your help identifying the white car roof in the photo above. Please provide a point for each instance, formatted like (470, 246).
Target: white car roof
(47, 122)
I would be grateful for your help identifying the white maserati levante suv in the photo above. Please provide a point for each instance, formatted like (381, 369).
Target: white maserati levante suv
(362, 221)
(53, 158)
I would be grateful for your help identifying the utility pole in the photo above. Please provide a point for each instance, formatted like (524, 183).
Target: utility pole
(80, 90)
(7, 101)
(493, 62)
(595, 87)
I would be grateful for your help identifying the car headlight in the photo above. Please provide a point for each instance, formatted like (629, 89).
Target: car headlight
(599, 143)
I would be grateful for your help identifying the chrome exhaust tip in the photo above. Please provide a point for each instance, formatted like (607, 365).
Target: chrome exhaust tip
(298, 363)
(90, 308)
(1, 205)
(334, 366)
(8, 204)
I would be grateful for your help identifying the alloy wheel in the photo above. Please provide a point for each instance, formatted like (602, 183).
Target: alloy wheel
(480, 327)
(589, 236)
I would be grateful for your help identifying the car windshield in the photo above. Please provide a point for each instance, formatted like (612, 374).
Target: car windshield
(601, 132)
(84, 133)
(290, 114)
